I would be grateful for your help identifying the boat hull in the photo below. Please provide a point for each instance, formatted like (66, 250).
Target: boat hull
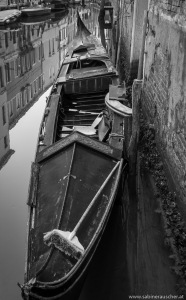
(73, 156)
(71, 289)
(31, 12)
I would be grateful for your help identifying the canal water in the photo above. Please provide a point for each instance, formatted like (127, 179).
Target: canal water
(31, 53)
(14, 181)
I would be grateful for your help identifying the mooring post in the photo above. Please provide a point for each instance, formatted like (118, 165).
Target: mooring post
(133, 145)
(136, 94)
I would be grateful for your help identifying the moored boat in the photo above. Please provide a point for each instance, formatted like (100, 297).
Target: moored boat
(57, 5)
(35, 11)
(33, 20)
(75, 176)
(9, 16)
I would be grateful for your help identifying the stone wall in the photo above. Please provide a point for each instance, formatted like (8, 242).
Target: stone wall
(164, 90)
(130, 23)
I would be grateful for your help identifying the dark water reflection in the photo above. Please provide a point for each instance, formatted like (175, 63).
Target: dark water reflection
(31, 53)
(14, 180)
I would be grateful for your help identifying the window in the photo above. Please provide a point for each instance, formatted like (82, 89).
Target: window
(53, 46)
(35, 86)
(28, 61)
(1, 78)
(22, 64)
(33, 56)
(22, 98)
(25, 62)
(7, 68)
(4, 114)
(25, 97)
(10, 106)
(39, 82)
(32, 90)
(43, 54)
(16, 67)
(39, 52)
(14, 37)
(5, 142)
(29, 93)
(49, 48)
(6, 39)
(18, 100)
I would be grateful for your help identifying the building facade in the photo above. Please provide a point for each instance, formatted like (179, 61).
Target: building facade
(13, 4)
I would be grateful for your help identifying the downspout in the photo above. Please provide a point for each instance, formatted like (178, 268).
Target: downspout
(141, 57)
(133, 31)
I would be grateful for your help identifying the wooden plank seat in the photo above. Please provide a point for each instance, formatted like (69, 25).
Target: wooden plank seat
(87, 130)
(90, 130)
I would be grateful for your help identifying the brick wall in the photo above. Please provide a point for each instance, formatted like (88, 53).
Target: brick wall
(171, 7)
(164, 93)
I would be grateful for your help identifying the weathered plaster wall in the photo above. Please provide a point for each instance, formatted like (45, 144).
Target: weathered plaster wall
(164, 96)
(126, 33)
(137, 27)
(131, 23)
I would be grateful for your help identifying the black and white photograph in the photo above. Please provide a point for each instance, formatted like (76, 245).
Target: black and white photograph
(92, 149)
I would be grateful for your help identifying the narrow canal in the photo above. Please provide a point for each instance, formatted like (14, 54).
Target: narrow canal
(30, 55)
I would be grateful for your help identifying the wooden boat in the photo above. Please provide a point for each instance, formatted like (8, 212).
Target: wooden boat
(9, 16)
(58, 5)
(35, 20)
(116, 101)
(35, 11)
(74, 178)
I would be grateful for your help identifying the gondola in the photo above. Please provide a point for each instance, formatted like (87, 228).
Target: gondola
(35, 11)
(75, 175)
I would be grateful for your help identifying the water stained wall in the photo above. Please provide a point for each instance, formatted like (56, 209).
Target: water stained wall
(164, 91)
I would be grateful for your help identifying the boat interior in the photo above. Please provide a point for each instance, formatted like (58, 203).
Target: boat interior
(84, 113)
(77, 106)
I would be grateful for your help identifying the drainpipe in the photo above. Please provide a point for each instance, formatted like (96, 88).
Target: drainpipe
(141, 57)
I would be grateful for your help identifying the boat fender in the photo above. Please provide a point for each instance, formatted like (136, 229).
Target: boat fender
(47, 110)
(41, 137)
(54, 88)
